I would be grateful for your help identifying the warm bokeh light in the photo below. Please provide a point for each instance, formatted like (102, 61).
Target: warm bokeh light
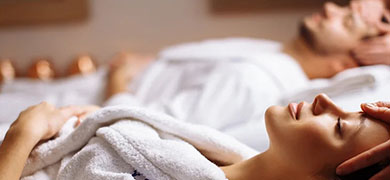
(83, 64)
(7, 70)
(41, 69)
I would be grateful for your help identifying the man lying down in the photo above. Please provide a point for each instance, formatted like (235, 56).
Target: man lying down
(307, 141)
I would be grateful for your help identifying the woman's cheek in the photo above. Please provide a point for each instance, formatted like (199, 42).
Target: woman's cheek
(308, 146)
(315, 138)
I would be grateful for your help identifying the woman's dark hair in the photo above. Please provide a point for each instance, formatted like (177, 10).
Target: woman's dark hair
(366, 173)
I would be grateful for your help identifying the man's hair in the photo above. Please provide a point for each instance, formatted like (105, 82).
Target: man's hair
(366, 173)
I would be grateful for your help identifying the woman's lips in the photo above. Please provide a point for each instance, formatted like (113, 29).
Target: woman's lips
(295, 109)
(299, 108)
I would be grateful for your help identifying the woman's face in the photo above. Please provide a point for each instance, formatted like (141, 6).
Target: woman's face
(315, 138)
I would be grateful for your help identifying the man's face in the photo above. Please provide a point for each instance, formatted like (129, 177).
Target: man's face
(340, 29)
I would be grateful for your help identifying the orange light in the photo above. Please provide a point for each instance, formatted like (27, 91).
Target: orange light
(82, 65)
(7, 70)
(41, 69)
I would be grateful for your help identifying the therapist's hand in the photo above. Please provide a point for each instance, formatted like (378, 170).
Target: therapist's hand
(373, 51)
(378, 110)
(376, 50)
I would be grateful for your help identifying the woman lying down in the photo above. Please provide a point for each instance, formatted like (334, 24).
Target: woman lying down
(307, 141)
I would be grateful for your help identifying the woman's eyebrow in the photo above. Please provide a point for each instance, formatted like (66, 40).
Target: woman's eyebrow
(362, 118)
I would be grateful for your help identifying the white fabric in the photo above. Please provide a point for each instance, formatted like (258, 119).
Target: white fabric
(118, 142)
(349, 88)
(220, 49)
(124, 99)
(225, 84)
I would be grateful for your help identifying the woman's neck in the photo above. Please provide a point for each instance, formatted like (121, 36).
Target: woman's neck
(261, 167)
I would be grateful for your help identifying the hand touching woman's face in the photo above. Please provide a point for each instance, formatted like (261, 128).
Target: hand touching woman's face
(314, 138)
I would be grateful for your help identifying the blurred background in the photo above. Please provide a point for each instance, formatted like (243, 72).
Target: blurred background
(62, 29)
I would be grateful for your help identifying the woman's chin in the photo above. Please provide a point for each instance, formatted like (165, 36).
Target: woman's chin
(276, 113)
(274, 116)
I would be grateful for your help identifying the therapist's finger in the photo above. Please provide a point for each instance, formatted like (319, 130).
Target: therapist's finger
(365, 159)
(372, 52)
(371, 59)
(379, 110)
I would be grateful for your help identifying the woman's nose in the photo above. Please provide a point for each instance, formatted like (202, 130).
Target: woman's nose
(322, 103)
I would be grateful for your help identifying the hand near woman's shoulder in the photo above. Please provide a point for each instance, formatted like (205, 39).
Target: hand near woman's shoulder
(381, 111)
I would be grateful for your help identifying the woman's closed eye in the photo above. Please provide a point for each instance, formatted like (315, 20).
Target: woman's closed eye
(339, 127)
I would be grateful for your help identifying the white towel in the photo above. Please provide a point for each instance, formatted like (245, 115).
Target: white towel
(125, 143)
(344, 83)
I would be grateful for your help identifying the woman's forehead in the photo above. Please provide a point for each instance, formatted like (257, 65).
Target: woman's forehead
(371, 128)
